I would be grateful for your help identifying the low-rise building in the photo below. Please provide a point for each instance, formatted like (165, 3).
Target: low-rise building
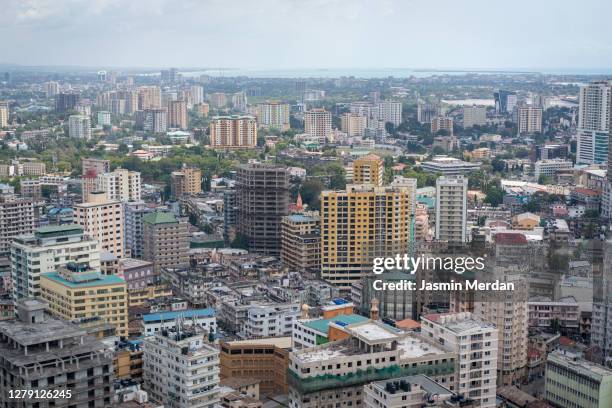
(203, 318)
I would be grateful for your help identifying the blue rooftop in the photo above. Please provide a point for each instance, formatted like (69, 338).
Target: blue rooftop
(186, 314)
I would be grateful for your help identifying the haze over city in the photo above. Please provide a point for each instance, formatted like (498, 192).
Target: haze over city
(291, 34)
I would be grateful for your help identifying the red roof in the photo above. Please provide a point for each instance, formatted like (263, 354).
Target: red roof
(510, 238)
(586, 191)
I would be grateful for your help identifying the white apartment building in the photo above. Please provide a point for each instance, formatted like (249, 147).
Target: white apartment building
(197, 94)
(120, 185)
(79, 127)
(181, 369)
(565, 311)
(550, 167)
(233, 131)
(451, 209)
(133, 228)
(102, 219)
(270, 320)
(410, 392)
(16, 218)
(4, 116)
(273, 115)
(474, 115)
(528, 119)
(318, 124)
(593, 122)
(104, 118)
(389, 111)
(153, 323)
(476, 343)
(46, 250)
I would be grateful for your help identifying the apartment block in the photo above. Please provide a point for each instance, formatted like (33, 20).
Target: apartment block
(102, 219)
(177, 114)
(187, 181)
(528, 119)
(475, 341)
(120, 185)
(45, 250)
(363, 222)
(442, 123)
(79, 127)
(233, 132)
(181, 369)
(474, 116)
(166, 240)
(369, 169)
(76, 291)
(133, 213)
(595, 101)
(16, 218)
(451, 209)
(549, 168)
(318, 124)
(274, 115)
(353, 125)
(301, 242)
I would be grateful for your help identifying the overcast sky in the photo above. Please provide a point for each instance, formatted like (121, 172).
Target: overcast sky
(286, 34)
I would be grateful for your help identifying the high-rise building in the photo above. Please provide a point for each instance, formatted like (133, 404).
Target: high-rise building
(149, 97)
(233, 131)
(169, 75)
(34, 347)
(218, 100)
(427, 111)
(239, 101)
(77, 292)
(197, 94)
(181, 369)
(47, 249)
(153, 120)
(528, 119)
(572, 381)
(96, 165)
(474, 115)
(505, 101)
(353, 125)
(120, 185)
(79, 127)
(51, 88)
(166, 240)
(65, 102)
(451, 209)
(4, 116)
(601, 324)
(389, 112)
(263, 199)
(177, 115)
(369, 169)
(442, 123)
(102, 219)
(476, 343)
(104, 118)
(593, 127)
(273, 115)
(16, 218)
(301, 242)
(186, 181)
(363, 222)
(318, 124)
(133, 213)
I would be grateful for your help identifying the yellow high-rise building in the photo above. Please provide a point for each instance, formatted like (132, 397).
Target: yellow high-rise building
(76, 292)
(361, 223)
(369, 170)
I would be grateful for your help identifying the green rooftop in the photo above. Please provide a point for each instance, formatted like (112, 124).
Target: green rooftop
(322, 325)
(59, 230)
(105, 280)
(159, 218)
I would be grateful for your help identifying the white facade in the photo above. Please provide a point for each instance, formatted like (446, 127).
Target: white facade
(476, 343)
(550, 167)
(529, 119)
(474, 115)
(451, 209)
(273, 115)
(389, 111)
(79, 127)
(181, 370)
(45, 251)
(154, 323)
(104, 118)
(271, 321)
(197, 94)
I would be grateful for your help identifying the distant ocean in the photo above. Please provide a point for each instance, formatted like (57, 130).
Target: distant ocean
(375, 73)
